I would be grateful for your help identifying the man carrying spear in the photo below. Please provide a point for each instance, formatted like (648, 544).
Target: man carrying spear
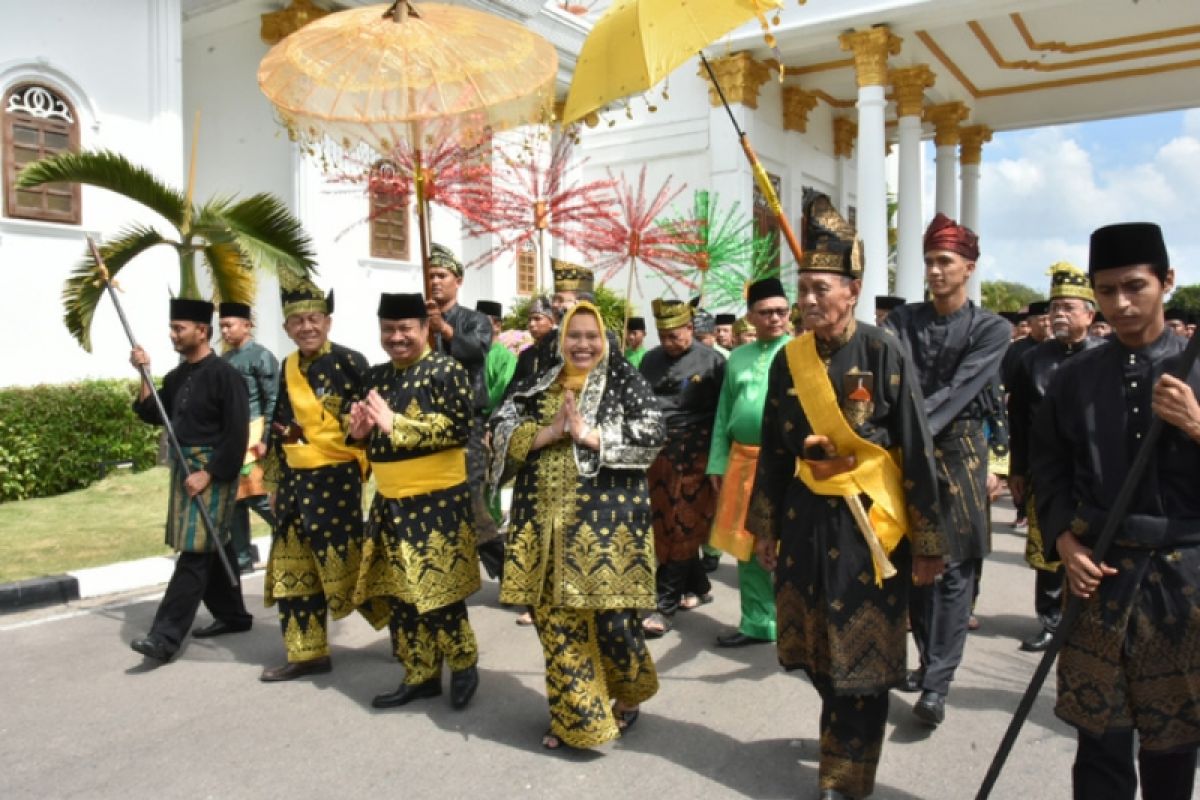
(209, 409)
(1132, 663)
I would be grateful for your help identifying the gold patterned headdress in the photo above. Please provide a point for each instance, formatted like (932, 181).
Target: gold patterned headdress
(831, 244)
(301, 296)
(670, 314)
(570, 277)
(1068, 280)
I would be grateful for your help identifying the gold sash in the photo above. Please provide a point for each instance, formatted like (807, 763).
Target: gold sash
(729, 522)
(441, 470)
(876, 473)
(326, 440)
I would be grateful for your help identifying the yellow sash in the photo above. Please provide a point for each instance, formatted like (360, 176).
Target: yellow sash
(326, 440)
(398, 479)
(875, 474)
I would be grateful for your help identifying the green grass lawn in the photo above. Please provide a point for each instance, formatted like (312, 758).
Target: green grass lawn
(120, 518)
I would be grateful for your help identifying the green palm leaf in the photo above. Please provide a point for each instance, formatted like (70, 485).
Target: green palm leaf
(269, 236)
(111, 171)
(233, 280)
(82, 291)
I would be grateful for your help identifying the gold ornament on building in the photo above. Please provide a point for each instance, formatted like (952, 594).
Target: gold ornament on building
(945, 119)
(971, 141)
(796, 104)
(278, 24)
(908, 87)
(740, 76)
(871, 49)
(845, 131)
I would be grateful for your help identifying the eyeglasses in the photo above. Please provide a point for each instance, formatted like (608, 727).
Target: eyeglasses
(773, 312)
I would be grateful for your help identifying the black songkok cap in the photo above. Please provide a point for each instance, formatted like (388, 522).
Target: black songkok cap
(240, 310)
(704, 322)
(886, 302)
(1038, 308)
(184, 309)
(637, 324)
(1126, 245)
(726, 319)
(489, 307)
(1099, 318)
(1013, 317)
(402, 306)
(1176, 314)
(761, 290)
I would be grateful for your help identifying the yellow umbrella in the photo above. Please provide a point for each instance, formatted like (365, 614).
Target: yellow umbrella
(409, 73)
(637, 43)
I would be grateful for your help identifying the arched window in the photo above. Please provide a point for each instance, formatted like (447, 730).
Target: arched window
(526, 269)
(388, 213)
(38, 122)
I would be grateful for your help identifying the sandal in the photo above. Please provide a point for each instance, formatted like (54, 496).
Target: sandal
(626, 718)
(655, 625)
(524, 618)
(552, 742)
(692, 600)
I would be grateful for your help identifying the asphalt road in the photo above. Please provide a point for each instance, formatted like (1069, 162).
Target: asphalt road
(82, 716)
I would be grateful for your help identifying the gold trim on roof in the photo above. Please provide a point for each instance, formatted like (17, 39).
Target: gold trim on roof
(1097, 44)
(276, 25)
(1055, 66)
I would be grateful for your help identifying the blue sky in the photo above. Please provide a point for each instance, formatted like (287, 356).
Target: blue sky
(1044, 190)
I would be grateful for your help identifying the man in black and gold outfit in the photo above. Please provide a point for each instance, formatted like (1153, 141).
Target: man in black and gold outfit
(686, 378)
(846, 460)
(317, 480)
(419, 558)
(1132, 663)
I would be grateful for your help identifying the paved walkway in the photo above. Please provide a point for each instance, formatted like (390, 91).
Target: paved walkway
(81, 715)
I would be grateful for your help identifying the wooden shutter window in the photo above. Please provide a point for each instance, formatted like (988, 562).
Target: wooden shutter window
(389, 217)
(38, 123)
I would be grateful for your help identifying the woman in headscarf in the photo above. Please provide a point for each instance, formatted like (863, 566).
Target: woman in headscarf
(578, 438)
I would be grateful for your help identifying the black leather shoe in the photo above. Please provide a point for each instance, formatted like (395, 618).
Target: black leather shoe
(930, 708)
(1038, 643)
(463, 684)
(296, 669)
(912, 681)
(218, 628)
(739, 639)
(710, 563)
(406, 694)
(834, 794)
(152, 647)
(491, 555)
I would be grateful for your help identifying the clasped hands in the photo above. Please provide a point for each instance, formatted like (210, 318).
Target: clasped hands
(568, 421)
(371, 412)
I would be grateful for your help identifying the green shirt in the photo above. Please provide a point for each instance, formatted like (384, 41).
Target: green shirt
(743, 394)
(260, 369)
(498, 370)
(635, 356)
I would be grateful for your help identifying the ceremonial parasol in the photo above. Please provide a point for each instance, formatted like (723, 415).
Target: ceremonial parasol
(637, 43)
(407, 73)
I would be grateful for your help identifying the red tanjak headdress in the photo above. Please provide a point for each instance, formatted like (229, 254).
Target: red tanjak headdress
(946, 234)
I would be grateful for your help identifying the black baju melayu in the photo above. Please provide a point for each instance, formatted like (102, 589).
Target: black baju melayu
(956, 357)
(419, 559)
(208, 405)
(837, 620)
(682, 497)
(1133, 660)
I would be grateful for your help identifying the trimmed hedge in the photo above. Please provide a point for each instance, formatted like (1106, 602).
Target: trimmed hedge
(53, 438)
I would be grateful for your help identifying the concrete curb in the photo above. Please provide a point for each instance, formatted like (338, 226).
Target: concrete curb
(45, 591)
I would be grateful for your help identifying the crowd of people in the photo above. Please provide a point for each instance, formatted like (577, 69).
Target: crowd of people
(848, 468)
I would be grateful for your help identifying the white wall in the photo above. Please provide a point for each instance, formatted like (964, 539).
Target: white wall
(126, 94)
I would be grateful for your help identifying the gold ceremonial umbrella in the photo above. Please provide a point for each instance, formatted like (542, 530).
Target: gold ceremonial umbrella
(408, 73)
(637, 43)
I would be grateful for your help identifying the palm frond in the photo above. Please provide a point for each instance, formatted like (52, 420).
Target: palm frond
(269, 236)
(83, 289)
(232, 277)
(107, 170)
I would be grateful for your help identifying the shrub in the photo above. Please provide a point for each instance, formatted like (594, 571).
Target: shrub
(611, 305)
(53, 438)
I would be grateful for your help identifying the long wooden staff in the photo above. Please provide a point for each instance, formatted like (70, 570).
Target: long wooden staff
(1116, 516)
(176, 449)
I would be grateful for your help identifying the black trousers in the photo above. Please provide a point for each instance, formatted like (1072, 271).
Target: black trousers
(199, 578)
(1047, 597)
(677, 578)
(1103, 770)
(939, 615)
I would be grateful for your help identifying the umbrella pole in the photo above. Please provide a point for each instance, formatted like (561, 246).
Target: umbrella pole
(1116, 516)
(760, 173)
(628, 301)
(176, 448)
(422, 221)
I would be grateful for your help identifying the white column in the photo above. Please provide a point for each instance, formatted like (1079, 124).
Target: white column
(946, 163)
(969, 216)
(872, 198)
(910, 261)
